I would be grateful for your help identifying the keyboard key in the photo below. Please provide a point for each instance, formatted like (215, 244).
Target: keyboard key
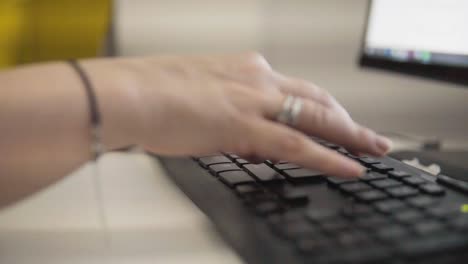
(460, 223)
(233, 178)
(253, 199)
(370, 196)
(428, 227)
(392, 232)
(387, 183)
(434, 244)
(320, 214)
(357, 210)
(298, 229)
(402, 192)
(421, 201)
(241, 162)
(414, 180)
(269, 162)
(209, 155)
(295, 196)
(372, 222)
(232, 156)
(432, 189)
(280, 220)
(372, 176)
(263, 172)
(443, 212)
(335, 225)
(267, 207)
(217, 168)
(286, 166)
(389, 206)
(207, 161)
(368, 160)
(398, 174)
(352, 238)
(374, 253)
(314, 245)
(355, 187)
(340, 180)
(248, 188)
(285, 217)
(408, 216)
(303, 175)
(381, 167)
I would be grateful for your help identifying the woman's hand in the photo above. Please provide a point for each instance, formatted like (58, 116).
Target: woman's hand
(207, 104)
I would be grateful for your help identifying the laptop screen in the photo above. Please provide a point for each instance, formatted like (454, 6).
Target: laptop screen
(420, 31)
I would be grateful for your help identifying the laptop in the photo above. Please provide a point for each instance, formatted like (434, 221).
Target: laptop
(282, 213)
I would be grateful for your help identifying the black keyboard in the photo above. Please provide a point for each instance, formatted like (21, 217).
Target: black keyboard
(392, 214)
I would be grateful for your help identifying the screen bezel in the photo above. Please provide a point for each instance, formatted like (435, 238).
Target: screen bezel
(453, 74)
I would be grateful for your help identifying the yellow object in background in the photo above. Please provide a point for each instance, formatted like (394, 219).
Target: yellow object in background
(11, 28)
(42, 30)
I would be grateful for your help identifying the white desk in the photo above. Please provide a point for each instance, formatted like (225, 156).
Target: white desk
(147, 220)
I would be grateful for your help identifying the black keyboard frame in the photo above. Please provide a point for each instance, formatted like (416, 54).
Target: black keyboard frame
(248, 234)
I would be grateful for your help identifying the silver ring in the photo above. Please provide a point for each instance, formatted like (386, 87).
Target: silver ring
(289, 114)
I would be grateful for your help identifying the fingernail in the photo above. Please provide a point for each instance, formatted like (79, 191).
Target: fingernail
(383, 144)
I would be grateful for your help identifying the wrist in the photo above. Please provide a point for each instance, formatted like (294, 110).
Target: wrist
(118, 101)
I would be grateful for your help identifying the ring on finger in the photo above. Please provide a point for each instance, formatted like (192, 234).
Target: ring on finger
(290, 111)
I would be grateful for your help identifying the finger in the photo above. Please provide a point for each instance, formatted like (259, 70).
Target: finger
(302, 88)
(317, 120)
(305, 89)
(274, 141)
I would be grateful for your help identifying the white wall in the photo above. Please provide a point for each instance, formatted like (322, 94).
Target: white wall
(317, 40)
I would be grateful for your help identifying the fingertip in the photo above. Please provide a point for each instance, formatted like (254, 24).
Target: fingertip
(384, 144)
(351, 169)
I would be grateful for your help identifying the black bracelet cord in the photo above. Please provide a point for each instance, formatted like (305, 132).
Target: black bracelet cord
(95, 116)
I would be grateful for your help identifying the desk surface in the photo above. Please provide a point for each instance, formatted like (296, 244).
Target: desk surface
(141, 218)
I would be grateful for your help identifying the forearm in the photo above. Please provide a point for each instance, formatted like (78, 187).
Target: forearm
(45, 126)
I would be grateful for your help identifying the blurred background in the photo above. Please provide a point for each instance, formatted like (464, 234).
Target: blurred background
(317, 40)
(140, 211)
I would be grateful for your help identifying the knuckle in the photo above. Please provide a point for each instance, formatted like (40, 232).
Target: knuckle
(306, 85)
(328, 99)
(255, 57)
(324, 96)
(255, 63)
(321, 116)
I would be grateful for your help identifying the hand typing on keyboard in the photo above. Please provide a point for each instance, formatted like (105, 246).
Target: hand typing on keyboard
(203, 105)
(171, 105)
